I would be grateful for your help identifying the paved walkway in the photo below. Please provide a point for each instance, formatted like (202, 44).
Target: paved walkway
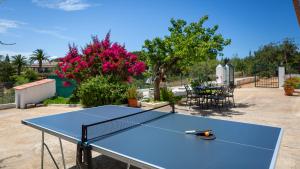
(20, 145)
(267, 107)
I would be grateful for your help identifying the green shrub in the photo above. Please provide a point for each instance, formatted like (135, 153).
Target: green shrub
(30, 74)
(293, 81)
(19, 80)
(100, 91)
(132, 93)
(74, 98)
(56, 100)
(167, 95)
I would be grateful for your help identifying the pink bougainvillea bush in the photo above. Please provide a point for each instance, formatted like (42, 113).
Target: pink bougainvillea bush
(100, 58)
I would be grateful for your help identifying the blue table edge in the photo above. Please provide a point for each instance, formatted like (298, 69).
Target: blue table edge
(276, 150)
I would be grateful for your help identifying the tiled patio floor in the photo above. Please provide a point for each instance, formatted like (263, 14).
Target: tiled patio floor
(20, 145)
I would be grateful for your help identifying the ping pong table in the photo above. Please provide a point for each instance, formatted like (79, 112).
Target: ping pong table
(156, 139)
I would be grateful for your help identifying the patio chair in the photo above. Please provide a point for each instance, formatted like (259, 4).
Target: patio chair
(190, 95)
(229, 94)
(202, 97)
(218, 98)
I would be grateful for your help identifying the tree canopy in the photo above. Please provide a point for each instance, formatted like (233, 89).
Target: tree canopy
(185, 45)
(39, 55)
(19, 61)
(6, 70)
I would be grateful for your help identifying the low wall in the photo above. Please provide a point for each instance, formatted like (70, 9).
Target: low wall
(242, 81)
(291, 75)
(34, 92)
(149, 92)
(7, 106)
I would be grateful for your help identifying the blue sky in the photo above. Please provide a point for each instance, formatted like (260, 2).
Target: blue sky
(52, 24)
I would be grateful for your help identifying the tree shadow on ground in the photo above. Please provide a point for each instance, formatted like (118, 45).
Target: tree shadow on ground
(226, 111)
(105, 162)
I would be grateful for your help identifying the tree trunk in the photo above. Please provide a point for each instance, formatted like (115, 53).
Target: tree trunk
(40, 67)
(157, 88)
(285, 58)
(19, 70)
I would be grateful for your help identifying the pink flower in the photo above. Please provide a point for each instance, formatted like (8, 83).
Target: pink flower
(106, 67)
(76, 59)
(87, 50)
(133, 57)
(129, 79)
(100, 58)
(66, 84)
(70, 76)
(83, 64)
(130, 70)
(65, 68)
(60, 75)
(139, 68)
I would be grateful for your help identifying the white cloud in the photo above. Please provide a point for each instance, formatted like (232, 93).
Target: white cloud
(56, 33)
(66, 5)
(8, 24)
(12, 53)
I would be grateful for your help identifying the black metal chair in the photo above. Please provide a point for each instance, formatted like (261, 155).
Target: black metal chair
(218, 98)
(190, 95)
(202, 97)
(230, 94)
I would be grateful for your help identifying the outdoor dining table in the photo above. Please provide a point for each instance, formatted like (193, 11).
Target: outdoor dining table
(205, 92)
(204, 88)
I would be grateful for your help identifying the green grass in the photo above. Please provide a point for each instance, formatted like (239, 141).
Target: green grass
(56, 100)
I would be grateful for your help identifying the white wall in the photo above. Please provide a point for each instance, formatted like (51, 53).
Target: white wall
(281, 76)
(35, 93)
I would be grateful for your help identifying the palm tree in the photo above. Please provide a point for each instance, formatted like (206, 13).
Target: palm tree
(40, 56)
(19, 61)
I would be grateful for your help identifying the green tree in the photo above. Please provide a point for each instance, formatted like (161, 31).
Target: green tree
(39, 55)
(285, 53)
(186, 44)
(19, 61)
(6, 70)
(239, 64)
(204, 71)
(290, 54)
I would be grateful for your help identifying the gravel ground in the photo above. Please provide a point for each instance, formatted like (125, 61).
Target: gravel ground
(20, 144)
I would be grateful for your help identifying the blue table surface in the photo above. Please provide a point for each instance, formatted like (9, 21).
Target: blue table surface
(163, 142)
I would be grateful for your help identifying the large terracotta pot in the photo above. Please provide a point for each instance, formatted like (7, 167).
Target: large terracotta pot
(132, 103)
(289, 90)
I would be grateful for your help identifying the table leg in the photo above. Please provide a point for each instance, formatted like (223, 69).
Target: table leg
(62, 153)
(42, 151)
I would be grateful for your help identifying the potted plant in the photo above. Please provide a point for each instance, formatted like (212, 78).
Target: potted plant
(290, 84)
(132, 97)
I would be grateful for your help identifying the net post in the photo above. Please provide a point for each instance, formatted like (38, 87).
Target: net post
(173, 107)
(83, 133)
(87, 155)
(79, 153)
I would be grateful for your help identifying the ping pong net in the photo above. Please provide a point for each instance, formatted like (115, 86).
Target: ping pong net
(98, 130)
